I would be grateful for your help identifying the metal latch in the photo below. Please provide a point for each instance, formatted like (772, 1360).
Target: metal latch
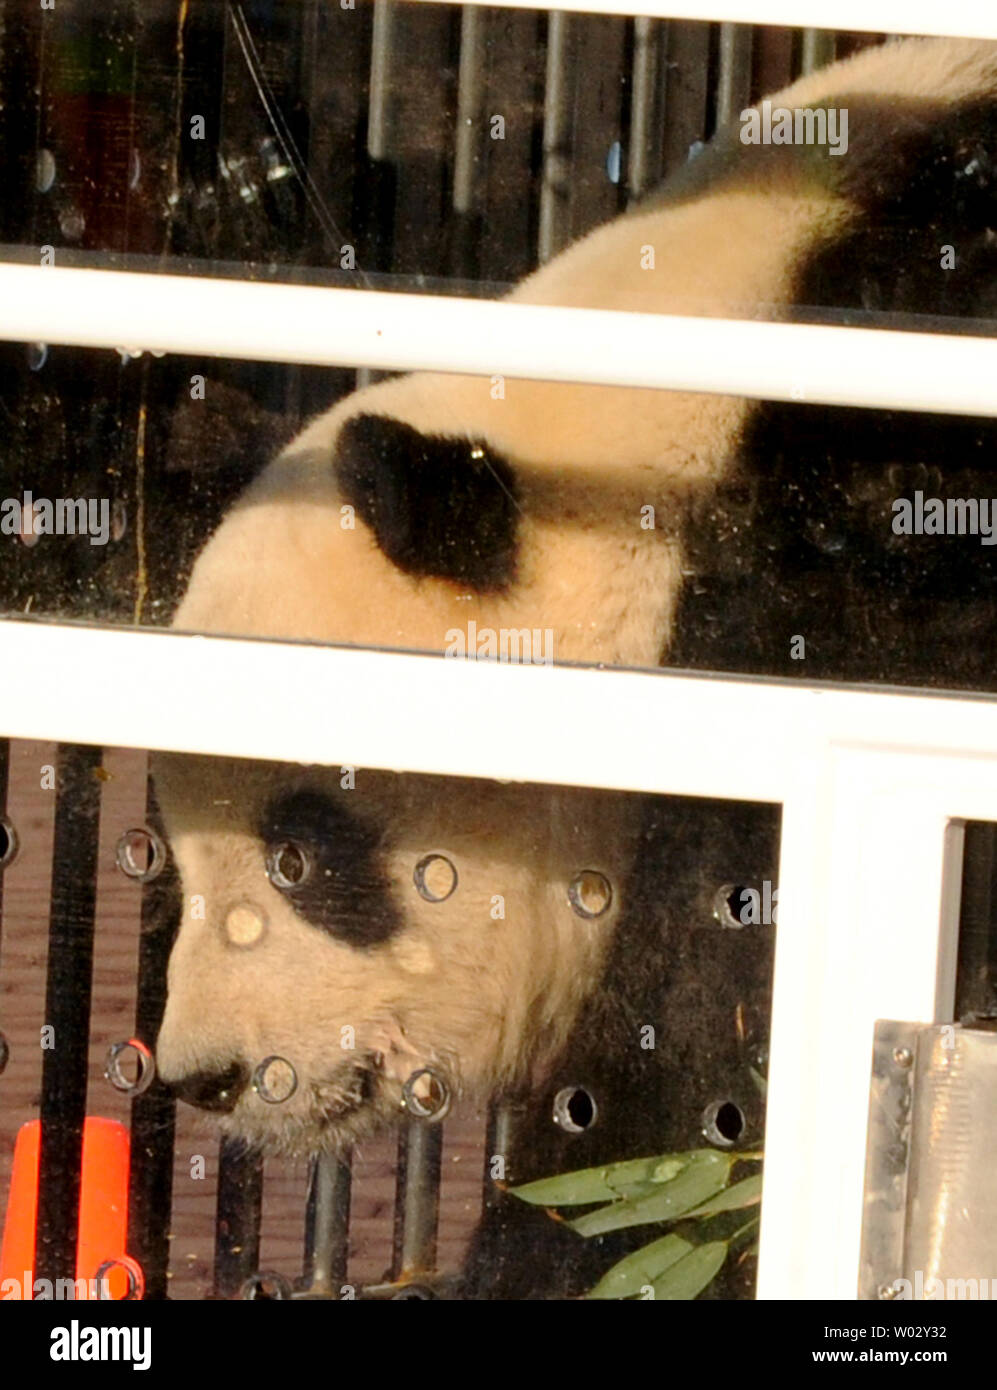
(929, 1227)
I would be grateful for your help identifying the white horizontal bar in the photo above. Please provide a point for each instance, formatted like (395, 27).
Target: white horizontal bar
(296, 323)
(639, 731)
(961, 19)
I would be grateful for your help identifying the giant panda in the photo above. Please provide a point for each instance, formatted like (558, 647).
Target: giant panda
(334, 906)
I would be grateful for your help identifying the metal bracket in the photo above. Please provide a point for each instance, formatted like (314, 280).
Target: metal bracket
(929, 1227)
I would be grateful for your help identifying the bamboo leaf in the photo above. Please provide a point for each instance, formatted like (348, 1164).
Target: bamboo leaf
(641, 1268)
(760, 1081)
(743, 1194)
(637, 1176)
(705, 1174)
(688, 1277)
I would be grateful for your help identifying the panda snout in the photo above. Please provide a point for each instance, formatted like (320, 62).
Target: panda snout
(213, 1090)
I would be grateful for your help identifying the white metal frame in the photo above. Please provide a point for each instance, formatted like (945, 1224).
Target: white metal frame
(399, 332)
(874, 784)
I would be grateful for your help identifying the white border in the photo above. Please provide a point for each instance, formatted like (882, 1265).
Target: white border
(390, 331)
(635, 730)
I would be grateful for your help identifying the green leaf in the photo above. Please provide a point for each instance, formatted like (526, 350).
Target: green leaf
(689, 1276)
(705, 1174)
(637, 1176)
(742, 1194)
(760, 1081)
(641, 1268)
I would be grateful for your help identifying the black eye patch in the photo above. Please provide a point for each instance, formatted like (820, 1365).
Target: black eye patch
(329, 866)
(440, 507)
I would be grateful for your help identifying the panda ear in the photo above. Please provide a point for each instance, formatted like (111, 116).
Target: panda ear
(439, 506)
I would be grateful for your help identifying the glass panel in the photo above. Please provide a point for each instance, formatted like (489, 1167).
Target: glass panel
(455, 987)
(424, 148)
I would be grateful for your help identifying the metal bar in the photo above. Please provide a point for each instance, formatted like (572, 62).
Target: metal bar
(555, 207)
(417, 1198)
(686, 62)
(327, 1225)
(237, 1217)
(376, 224)
(976, 984)
(935, 372)
(502, 1118)
(464, 236)
(470, 110)
(646, 143)
(818, 49)
(734, 80)
(379, 111)
(153, 1118)
(963, 18)
(67, 1010)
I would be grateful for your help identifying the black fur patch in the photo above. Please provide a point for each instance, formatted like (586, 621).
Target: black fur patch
(800, 541)
(440, 507)
(344, 890)
(920, 179)
(802, 545)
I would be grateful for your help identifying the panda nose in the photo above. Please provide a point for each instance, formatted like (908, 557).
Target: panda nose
(213, 1090)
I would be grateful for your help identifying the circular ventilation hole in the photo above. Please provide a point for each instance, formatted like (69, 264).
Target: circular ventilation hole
(266, 1285)
(426, 1094)
(8, 842)
(575, 1109)
(130, 1067)
(435, 877)
(120, 1280)
(414, 1291)
(731, 906)
(590, 893)
(141, 854)
(723, 1123)
(288, 865)
(275, 1080)
(72, 224)
(37, 355)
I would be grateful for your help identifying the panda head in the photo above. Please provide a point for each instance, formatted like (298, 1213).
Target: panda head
(345, 932)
